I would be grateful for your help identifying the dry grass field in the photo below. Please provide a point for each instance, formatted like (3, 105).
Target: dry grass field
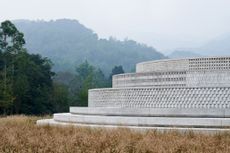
(20, 134)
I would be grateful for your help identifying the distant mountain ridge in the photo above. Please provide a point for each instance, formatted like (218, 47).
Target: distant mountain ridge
(68, 43)
(183, 54)
(219, 46)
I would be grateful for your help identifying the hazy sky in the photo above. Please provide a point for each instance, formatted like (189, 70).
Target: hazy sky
(163, 24)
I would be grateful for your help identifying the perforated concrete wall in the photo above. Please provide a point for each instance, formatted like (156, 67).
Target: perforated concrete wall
(181, 83)
(158, 79)
(204, 97)
(211, 63)
(202, 78)
(208, 78)
(192, 64)
(163, 65)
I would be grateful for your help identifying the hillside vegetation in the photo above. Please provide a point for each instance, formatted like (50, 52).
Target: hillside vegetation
(20, 134)
(28, 84)
(68, 43)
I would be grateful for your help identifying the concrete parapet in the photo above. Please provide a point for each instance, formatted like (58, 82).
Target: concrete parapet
(204, 78)
(152, 97)
(189, 64)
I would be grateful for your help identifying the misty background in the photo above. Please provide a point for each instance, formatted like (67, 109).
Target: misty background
(53, 51)
(200, 26)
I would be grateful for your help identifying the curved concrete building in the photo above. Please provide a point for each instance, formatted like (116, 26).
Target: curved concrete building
(166, 94)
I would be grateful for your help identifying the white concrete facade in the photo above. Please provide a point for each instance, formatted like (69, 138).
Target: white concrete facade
(204, 78)
(152, 97)
(192, 64)
(194, 72)
(190, 93)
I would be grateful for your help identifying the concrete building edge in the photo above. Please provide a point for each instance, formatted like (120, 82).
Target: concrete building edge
(152, 112)
(144, 121)
(52, 122)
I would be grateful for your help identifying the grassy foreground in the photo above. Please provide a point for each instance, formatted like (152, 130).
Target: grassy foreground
(20, 134)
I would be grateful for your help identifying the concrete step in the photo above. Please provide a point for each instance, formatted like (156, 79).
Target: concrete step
(52, 122)
(143, 121)
(155, 112)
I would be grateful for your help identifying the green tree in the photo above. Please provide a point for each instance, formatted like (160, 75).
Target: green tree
(25, 79)
(11, 43)
(115, 70)
(33, 84)
(84, 70)
(60, 98)
(87, 77)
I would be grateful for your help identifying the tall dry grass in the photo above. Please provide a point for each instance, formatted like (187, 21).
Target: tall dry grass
(20, 134)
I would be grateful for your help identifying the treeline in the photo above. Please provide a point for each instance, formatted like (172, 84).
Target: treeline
(28, 85)
(85, 78)
(25, 79)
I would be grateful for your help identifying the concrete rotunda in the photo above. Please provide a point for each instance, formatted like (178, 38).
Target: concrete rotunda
(183, 94)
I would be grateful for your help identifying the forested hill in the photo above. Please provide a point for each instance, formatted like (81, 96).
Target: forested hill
(68, 43)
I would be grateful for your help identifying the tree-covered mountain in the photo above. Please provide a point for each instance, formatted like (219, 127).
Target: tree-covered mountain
(68, 43)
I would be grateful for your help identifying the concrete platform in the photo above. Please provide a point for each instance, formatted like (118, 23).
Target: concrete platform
(52, 122)
(143, 121)
(206, 120)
